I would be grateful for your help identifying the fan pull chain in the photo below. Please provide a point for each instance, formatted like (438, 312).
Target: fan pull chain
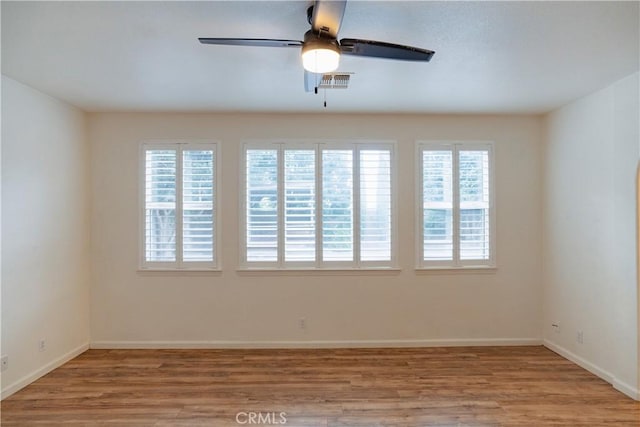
(315, 89)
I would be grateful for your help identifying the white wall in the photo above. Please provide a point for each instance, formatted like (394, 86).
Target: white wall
(45, 241)
(589, 223)
(129, 308)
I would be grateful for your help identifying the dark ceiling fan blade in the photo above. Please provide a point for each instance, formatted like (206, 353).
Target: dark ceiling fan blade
(327, 16)
(252, 42)
(384, 50)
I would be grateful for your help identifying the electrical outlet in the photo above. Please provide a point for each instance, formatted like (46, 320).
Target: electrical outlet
(556, 327)
(4, 363)
(42, 345)
(302, 323)
(580, 337)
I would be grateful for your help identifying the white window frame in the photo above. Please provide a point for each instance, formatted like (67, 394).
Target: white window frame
(179, 264)
(318, 263)
(456, 263)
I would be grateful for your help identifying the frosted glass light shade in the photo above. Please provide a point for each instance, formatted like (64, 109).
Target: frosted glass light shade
(320, 60)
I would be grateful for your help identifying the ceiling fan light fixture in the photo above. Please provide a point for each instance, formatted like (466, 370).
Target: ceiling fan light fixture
(321, 50)
(320, 55)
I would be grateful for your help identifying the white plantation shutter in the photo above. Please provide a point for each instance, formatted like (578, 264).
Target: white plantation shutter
(316, 205)
(437, 204)
(179, 206)
(456, 211)
(262, 205)
(299, 205)
(375, 205)
(337, 205)
(160, 205)
(197, 205)
(474, 205)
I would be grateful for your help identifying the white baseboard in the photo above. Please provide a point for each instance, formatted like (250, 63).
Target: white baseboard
(594, 369)
(29, 378)
(622, 387)
(315, 344)
(627, 389)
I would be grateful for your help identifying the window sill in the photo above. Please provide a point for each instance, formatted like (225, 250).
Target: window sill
(179, 271)
(329, 271)
(476, 269)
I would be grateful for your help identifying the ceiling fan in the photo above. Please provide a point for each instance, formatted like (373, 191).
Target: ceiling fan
(321, 49)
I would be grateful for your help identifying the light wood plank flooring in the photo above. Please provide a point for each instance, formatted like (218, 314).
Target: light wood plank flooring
(479, 386)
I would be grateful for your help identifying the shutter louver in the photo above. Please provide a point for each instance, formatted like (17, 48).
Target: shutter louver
(299, 209)
(197, 205)
(262, 205)
(375, 205)
(437, 196)
(474, 205)
(337, 205)
(160, 205)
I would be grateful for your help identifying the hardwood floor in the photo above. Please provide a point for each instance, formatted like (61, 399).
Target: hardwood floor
(479, 386)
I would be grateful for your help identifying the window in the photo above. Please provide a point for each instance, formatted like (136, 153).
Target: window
(455, 209)
(318, 205)
(178, 209)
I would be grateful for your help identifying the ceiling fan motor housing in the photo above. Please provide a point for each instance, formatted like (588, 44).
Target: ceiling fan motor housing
(314, 40)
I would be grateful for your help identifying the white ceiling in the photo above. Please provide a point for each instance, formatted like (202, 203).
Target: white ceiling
(491, 57)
